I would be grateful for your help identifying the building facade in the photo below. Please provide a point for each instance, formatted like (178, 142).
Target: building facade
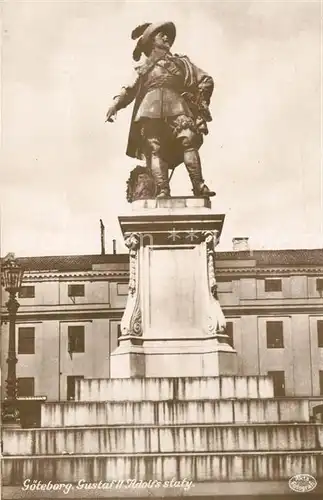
(70, 311)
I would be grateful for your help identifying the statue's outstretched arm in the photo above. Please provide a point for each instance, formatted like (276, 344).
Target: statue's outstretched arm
(123, 99)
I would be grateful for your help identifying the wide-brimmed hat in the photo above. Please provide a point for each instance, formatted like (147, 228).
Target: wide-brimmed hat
(146, 31)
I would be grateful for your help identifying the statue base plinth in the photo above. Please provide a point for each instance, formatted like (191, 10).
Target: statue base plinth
(173, 324)
(172, 358)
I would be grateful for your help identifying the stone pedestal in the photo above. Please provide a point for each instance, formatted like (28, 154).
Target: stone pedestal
(173, 324)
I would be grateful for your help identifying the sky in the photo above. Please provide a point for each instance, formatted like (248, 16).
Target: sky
(63, 168)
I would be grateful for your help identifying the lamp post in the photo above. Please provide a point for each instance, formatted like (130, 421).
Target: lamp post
(12, 275)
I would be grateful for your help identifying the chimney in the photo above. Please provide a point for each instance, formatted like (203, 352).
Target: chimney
(114, 244)
(102, 228)
(240, 244)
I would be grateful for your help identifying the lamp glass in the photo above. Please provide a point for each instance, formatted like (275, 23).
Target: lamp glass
(12, 275)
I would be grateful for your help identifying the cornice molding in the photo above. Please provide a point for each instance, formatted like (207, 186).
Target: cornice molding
(84, 275)
(88, 315)
(124, 275)
(238, 310)
(293, 271)
(273, 310)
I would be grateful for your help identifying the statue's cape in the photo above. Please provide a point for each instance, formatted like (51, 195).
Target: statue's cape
(135, 139)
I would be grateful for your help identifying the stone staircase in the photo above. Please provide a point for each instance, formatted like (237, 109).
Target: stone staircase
(228, 435)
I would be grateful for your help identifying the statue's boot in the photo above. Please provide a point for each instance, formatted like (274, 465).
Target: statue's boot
(163, 194)
(193, 164)
(159, 171)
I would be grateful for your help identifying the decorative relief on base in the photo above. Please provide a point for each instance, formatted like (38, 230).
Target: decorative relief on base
(131, 323)
(216, 319)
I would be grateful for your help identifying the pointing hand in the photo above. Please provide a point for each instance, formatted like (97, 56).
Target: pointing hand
(111, 114)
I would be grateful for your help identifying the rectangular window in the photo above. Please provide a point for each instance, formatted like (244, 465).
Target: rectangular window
(71, 379)
(26, 386)
(320, 332)
(76, 290)
(76, 338)
(26, 340)
(223, 279)
(319, 284)
(275, 334)
(118, 333)
(279, 383)
(273, 285)
(119, 330)
(26, 292)
(229, 332)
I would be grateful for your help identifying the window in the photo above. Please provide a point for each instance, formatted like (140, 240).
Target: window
(26, 292)
(26, 386)
(229, 332)
(273, 285)
(26, 340)
(319, 284)
(119, 333)
(275, 335)
(119, 330)
(279, 383)
(71, 379)
(320, 332)
(76, 290)
(76, 338)
(223, 279)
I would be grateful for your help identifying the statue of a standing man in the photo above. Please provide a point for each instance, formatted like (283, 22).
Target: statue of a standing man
(171, 108)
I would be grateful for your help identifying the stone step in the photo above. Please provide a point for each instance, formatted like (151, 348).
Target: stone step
(73, 414)
(168, 439)
(195, 466)
(160, 389)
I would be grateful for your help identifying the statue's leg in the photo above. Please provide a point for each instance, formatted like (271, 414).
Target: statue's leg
(192, 161)
(159, 167)
(185, 131)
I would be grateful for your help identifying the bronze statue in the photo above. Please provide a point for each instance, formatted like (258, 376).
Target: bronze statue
(171, 108)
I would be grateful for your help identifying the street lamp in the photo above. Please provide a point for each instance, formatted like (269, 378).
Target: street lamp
(12, 275)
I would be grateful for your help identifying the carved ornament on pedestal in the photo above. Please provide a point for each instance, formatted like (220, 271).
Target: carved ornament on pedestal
(216, 319)
(131, 321)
